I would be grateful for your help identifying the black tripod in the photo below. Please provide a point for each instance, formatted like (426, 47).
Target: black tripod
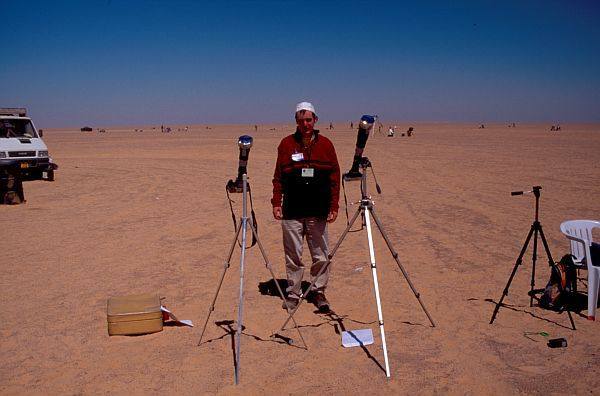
(536, 229)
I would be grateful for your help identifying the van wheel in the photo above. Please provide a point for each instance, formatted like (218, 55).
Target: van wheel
(51, 175)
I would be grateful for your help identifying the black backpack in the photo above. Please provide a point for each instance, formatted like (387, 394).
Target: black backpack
(565, 274)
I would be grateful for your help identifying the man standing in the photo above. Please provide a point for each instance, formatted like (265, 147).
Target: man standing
(306, 190)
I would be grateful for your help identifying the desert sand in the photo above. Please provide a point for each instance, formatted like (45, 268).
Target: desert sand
(141, 212)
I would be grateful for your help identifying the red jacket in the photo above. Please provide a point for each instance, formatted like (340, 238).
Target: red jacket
(313, 192)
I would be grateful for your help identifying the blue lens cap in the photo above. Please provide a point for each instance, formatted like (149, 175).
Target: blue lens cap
(368, 119)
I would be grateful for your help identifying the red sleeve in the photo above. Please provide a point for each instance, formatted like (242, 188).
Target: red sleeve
(335, 181)
(277, 188)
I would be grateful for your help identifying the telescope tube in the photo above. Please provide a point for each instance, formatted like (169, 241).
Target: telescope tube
(364, 127)
(244, 143)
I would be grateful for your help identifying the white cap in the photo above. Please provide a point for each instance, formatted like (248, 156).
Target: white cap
(305, 106)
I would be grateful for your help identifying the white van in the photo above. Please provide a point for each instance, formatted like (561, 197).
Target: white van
(22, 149)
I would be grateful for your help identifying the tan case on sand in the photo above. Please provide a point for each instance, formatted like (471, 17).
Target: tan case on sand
(138, 314)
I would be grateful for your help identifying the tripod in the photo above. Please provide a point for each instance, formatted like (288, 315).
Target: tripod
(535, 230)
(245, 220)
(366, 209)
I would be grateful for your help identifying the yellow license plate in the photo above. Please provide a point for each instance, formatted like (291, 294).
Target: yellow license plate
(24, 165)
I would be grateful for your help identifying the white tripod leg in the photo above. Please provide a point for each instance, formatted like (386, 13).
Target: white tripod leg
(376, 284)
(238, 333)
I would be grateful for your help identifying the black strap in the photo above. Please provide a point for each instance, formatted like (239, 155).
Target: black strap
(253, 220)
(234, 219)
(346, 208)
(345, 201)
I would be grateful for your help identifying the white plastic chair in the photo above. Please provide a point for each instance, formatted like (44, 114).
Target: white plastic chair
(579, 233)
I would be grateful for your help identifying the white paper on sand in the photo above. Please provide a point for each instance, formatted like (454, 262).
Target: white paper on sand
(186, 322)
(354, 338)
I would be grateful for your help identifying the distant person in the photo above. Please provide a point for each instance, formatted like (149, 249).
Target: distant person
(409, 132)
(7, 130)
(255, 128)
(330, 125)
(390, 132)
(306, 191)
(351, 125)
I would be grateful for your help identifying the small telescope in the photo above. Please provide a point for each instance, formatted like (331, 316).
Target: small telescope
(244, 143)
(364, 127)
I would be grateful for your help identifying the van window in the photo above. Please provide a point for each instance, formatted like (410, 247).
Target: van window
(17, 128)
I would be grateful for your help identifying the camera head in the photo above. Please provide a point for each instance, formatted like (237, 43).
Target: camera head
(244, 143)
(535, 190)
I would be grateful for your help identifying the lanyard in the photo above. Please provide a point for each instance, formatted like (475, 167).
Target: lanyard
(308, 150)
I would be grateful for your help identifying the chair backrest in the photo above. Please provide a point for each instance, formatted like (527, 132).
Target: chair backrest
(579, 229)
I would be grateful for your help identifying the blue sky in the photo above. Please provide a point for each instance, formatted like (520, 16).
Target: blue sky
(143, 62)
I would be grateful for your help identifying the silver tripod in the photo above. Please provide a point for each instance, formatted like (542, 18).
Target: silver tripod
(366, 209)
(245, 220)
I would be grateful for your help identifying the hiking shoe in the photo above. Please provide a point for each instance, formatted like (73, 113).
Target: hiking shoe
(321, 302)
(289, 303)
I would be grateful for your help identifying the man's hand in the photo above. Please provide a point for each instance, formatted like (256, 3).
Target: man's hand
(331, 217)
(277, 213)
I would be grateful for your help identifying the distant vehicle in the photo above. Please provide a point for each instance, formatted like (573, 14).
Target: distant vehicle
(22, 150)
(86, 129)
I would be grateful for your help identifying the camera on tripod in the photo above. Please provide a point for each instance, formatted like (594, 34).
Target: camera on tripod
(244, 143)
(534, 232)
(241, 185)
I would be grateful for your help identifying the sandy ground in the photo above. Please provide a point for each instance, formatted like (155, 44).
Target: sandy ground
(134, 212)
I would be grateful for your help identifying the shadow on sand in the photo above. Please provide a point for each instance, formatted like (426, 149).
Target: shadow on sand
(269, 288)
(577, 302)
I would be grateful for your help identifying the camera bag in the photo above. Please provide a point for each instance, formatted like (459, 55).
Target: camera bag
(135, 314)
(565, 274)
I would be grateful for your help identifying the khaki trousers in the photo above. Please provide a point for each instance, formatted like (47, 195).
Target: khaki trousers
(315, 231)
